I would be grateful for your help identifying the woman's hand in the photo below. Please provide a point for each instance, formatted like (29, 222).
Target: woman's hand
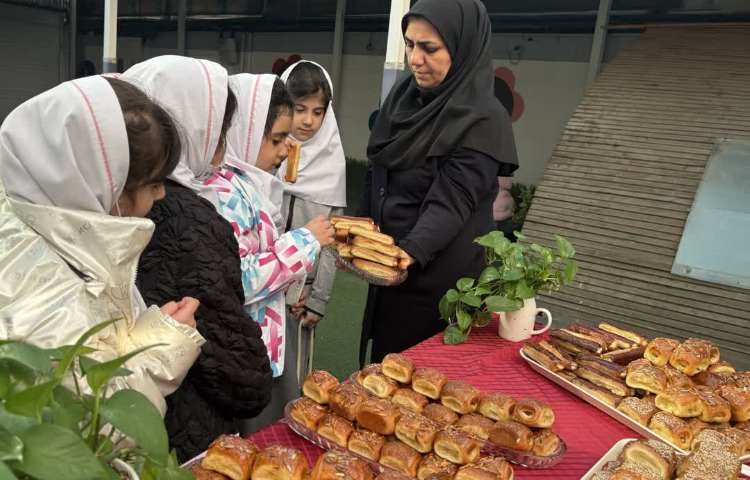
(322, 230)
(299, 308)
(405, 260)
(309, 319)
(183, 311)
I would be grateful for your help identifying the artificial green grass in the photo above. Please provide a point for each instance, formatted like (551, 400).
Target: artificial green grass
(337, 335)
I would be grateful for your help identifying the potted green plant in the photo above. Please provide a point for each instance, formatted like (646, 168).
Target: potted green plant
(514, 274)
(51, 432)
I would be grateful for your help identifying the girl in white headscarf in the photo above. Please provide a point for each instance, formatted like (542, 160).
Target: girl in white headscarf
(320, 188)
(249, 197)
(79, 163)
(194, 252)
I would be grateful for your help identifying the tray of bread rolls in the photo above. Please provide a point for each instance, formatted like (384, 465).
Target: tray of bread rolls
(661, 388)
(462, 426)
(715, 458)
(362, 249)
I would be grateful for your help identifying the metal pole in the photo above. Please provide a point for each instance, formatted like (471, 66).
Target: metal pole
(395, 50)
(109, 57)
(181, 20)
(600, 37)
(73, 42)
(338, 47)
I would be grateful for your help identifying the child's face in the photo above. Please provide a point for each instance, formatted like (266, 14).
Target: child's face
(274, 149)
(309, 113)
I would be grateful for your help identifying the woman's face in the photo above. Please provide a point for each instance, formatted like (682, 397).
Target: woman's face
(274, 148)
(309, 113)
(428, 57)
(138, 202)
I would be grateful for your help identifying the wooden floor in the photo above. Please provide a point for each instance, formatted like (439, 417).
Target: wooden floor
(622, 179)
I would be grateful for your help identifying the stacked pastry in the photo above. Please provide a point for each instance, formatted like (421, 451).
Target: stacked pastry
(231, 457)
(384, 431)
(713, 458)
(674, 388)
(358, 240)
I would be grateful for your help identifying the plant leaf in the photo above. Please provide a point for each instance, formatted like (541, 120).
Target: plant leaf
(4, 380)
(27, 355)
(524, 291)
(52, 452)
(471, 299)
(499, 303)
(452, 295)
(564, 247)
(71, 352)
(491, 240)
(99, 375)
(11, 447)
(482, 319)
(489, 274)
(519, 236)
(512, 274)
(6, 473)
(570, 271)
(446, 308)
(30, 401)
(464, 320)
(59, 353)
(453, 335)
(175, 473)
(87, 362)
(464, 284)
(67, 410)
(134, 415)
(479, 291)
(15, 423)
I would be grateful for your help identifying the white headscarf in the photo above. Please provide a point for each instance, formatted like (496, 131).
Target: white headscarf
(67, 147)
(194, 92)
(321, 176)
(246, 134)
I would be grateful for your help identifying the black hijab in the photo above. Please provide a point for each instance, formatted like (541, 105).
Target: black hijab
(414, 123)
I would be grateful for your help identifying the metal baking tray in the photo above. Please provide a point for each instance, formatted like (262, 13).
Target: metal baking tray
(523, 459)
(612, 412)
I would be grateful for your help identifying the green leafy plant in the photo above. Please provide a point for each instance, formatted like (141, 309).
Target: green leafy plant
(51, 432)
(522, 197)
(514, 272)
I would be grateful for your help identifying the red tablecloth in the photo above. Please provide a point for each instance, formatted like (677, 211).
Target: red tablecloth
(493, 364)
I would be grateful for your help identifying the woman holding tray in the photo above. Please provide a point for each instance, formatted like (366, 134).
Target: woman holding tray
(436, 149)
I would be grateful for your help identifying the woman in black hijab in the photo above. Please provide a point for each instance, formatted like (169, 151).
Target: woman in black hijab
(439, 143)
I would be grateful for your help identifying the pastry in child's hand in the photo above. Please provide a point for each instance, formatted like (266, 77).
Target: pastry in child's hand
(672, 429)
(318, 384)
(230, 455)
(280, 463)
(477, 425)
(371, 368)
(409, 399)
(657, 456)
(683, 403)
(416, 431)
(533, 413)
(399, 367)
(307, 412)
(345, 400)
(546, 443)
(378, 415)
(739, 402)
(659, 350)
(460, 397)
(514, 435)
(440, 414)
(496, 406)
(456, 446)
(400, 457)
(336, 429)
(432, 465)
(201, 473)
(486, 468)
(428, 381)
(366, 444)
(639, 409)
(693, 356)
(380, 385)
(643, 375)
(333, 465)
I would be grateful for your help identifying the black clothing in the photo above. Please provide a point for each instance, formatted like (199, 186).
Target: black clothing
(416, 124)
(194, 253)
(434, 212)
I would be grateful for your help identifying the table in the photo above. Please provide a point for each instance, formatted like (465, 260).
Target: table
(493, 364)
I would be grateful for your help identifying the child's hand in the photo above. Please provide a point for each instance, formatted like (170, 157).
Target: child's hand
(322, 230)
(182, 311)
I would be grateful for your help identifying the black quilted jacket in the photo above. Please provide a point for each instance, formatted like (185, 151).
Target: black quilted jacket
(194, 253)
